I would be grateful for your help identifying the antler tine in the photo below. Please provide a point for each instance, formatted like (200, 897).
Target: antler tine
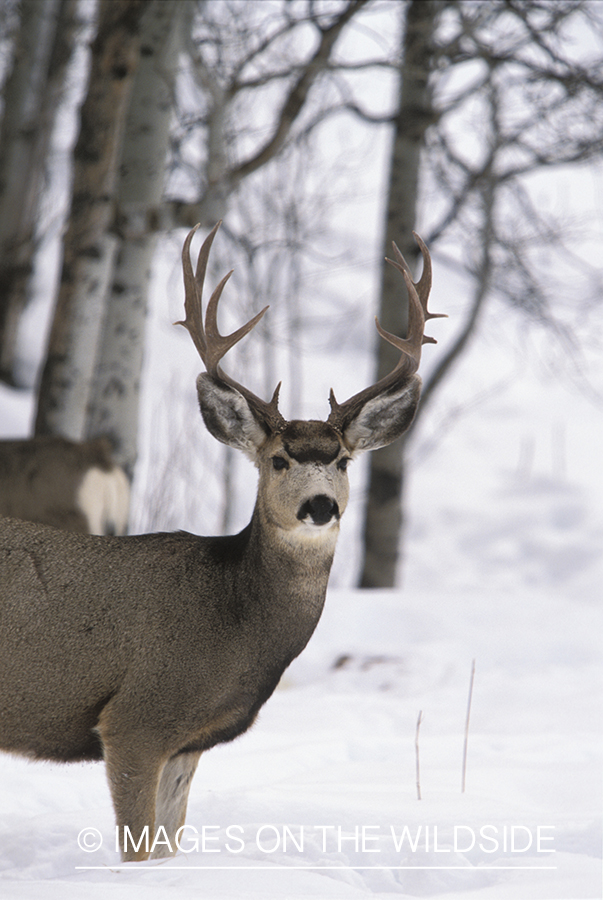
(211, 345)
(423, 285)
(410, 347)
(193, 310)
(218, 345)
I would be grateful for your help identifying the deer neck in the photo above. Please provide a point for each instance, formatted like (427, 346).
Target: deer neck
(305, 554)
(292, 572)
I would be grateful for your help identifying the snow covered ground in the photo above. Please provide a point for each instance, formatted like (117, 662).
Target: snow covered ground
(320, 799)
(503, 566)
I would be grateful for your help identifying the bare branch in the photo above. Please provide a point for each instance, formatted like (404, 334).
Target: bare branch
(298, 94)
(466, 741)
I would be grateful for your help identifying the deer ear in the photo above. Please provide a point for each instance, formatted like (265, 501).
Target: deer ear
(384, 418)
(228, 416)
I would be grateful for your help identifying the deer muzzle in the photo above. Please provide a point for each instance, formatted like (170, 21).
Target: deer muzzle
(319, 510)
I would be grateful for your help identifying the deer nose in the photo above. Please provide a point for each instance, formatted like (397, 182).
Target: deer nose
(321, 509)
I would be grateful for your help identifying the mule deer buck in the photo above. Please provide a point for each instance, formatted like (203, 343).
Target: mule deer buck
(70, 485)
(147, 650)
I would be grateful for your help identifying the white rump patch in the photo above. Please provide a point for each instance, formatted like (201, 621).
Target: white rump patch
(104, 498)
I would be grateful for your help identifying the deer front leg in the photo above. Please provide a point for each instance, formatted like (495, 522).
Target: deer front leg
(133, 776)
(134, 761)
(172, 799)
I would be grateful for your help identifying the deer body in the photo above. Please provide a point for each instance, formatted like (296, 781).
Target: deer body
(147, 650)
(151, 585)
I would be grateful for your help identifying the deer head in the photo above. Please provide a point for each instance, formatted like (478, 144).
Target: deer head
(303, 480)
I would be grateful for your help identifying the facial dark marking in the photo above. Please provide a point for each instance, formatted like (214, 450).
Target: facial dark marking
(311, 442)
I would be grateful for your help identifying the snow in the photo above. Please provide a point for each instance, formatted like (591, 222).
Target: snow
(502, 566)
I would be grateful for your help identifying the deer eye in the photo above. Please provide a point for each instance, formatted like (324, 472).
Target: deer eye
(343, 463)
(279, 463)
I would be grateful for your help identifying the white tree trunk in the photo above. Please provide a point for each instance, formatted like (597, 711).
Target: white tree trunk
(89, 246)
(114, 399)
(26, 125)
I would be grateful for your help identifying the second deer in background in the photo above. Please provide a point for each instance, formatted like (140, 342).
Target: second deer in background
(69, 485)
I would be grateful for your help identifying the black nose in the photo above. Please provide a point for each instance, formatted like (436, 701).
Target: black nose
(321, 509)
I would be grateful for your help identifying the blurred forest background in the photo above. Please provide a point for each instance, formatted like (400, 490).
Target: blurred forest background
(319, 131)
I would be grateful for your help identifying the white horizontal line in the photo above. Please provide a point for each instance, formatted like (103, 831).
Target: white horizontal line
(161, 867)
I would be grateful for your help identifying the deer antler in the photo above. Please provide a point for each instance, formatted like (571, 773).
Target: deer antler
(210, 344)
(343, 413)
